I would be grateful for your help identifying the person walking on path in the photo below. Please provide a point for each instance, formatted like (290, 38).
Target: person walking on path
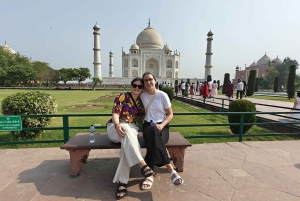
(199, 87)
(204, 90)
(245, 89)
(192, 90)
(239, 89)
(128, 113)
(176, 89)
(156, 129)
(297, 106)
(229, 90)
(187, 89)
(214, 90)
(182, 87)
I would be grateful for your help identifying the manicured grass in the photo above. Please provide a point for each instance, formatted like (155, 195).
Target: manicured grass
(276, 98)
(97, 102)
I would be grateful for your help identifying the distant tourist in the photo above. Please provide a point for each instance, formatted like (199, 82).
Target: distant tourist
(239, 89)
(199, 86)
(210, 87)
(187, 89)
(229, 90)
(214, 90)
(182, 87)
(192, 90)
(297, 106)
(176, 89)
(204, 90)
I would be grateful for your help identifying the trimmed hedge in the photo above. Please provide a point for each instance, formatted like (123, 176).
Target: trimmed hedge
(241, 106)
(276, 84)
(251, 83)
(291, 82)
(225, 83)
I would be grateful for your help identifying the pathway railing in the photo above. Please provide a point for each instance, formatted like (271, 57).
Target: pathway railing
(65, 128)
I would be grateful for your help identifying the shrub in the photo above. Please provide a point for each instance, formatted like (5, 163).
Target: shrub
(241, 106)
(169, 91)
(29, 103)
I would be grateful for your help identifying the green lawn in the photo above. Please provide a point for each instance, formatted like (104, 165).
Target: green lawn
(96, 102)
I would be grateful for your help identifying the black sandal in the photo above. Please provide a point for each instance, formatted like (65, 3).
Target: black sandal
(146, 172)
(121, 191)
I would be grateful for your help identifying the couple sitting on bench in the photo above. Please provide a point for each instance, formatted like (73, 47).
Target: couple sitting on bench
(128, 113)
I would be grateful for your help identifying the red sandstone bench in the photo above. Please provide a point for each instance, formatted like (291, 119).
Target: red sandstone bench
(79, 148)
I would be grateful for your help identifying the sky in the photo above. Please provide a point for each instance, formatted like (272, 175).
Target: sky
(60, 32)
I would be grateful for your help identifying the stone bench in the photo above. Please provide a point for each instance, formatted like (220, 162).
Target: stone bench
(79, 148)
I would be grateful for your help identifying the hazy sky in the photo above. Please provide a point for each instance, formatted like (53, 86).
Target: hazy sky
(60, 31)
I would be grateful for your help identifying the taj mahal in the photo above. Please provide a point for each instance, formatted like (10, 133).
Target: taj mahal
(147, 54)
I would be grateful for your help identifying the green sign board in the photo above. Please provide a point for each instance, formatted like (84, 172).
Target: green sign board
(10, 123)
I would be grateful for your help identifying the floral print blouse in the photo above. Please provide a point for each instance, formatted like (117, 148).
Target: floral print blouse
(129, 113)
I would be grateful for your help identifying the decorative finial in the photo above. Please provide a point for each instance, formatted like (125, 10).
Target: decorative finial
(149, 23)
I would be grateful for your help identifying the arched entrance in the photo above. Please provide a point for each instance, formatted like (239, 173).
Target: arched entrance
(152, 66)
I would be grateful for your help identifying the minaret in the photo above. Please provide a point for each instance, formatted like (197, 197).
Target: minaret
(208, 54)
(97, 50)
(111, 64)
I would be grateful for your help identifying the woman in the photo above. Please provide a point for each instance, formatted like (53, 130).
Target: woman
(158, 109)
(192, 90)
(297, 106)
(214, 90)
(128, 113)
(176, 88)
(204, 90)
(229, 90)
(187, 89)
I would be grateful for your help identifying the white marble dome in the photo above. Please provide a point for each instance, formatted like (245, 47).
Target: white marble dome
(264, 60)
(149, 38)
(134, 47)
(253, 64)
(167, 47)
(9, 49)
(278, 61)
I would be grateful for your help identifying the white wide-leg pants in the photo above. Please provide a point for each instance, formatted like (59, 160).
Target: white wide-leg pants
(130, 153)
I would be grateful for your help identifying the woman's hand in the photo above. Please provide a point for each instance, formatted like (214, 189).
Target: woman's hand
(159, 127)
(120, 130)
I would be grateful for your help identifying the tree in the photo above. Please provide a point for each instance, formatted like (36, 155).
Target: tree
(225, 83)
(291, 82)
(66, 74)
(81, 74)
(272, 73)
(251, 83)
(263, 83)
(276, 84)
(96, 80)
(284, 68)
(20, 73)
(42, 71)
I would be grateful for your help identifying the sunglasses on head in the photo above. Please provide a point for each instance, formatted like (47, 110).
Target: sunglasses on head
(137, 85)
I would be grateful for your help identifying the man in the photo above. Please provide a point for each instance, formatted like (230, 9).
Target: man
(182, 87)
(239, 89)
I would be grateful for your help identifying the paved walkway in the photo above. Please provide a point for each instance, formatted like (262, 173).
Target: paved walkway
(237, 171)
(218, 101)
(234, 171)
